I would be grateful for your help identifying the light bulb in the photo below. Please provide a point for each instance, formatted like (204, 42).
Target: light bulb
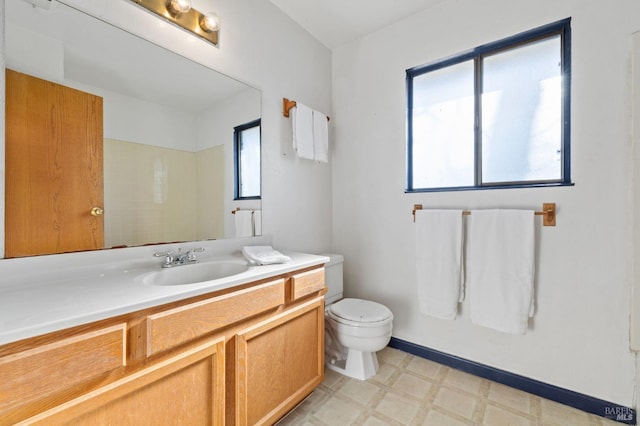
(179, 6)
(209, 22)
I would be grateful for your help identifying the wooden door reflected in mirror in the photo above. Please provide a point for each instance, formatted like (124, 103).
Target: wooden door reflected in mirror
(54, 168)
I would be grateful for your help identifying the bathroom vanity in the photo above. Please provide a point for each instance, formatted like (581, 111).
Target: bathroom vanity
(238, 350)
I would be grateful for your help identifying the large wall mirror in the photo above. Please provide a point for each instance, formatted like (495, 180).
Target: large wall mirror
(167, 143)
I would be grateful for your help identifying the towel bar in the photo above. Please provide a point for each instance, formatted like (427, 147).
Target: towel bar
(288, 104)
(237, 209)
(548, 212)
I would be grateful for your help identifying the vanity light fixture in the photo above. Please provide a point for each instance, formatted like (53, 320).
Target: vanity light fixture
(209, 22)
(180, 13)
(176, 7)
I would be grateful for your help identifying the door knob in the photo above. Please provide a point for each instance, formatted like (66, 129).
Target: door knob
(97, 211)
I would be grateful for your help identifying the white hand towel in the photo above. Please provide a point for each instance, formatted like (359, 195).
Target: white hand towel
(439, 262)
(500, 268)
(320, 137)
(302, 122)
(264, 255)
(244, 223)
(257, 222)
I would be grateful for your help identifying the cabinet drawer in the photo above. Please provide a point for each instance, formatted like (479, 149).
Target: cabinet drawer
(42, 371)
(187, 388)
(176, 326)
(307, 283)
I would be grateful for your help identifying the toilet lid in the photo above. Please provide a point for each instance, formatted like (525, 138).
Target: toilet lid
(360, 310)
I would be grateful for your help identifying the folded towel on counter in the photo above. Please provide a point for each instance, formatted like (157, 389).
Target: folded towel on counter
(439, 271)
(500, 268)
(264, 255)
(302, 123)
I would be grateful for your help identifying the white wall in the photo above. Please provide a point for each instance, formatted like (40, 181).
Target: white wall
(220, 121)
(579, 337)
(46, 61)
(135, 120)
(264, 48)
(215, 125)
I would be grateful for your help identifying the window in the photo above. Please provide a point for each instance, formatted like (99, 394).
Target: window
(247, 160)
(494, 117)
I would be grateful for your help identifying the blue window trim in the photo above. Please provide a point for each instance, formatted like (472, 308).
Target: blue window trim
(561, 28)
(237, 131)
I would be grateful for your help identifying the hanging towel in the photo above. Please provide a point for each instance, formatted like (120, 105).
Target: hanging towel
(244, 223)
(439, 262)
(320, 137)
(333, 349)
(500, 268)
(264, 255)
(302, 122)
(257, 222)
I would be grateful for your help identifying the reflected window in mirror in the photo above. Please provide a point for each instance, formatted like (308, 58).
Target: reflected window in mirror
(247, 160)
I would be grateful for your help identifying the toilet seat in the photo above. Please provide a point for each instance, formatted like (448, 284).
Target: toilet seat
(359, 313)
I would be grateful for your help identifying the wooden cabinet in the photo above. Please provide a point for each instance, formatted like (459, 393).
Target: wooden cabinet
(306, 283)
(278, 363)
(188, 386)
(170, 328)
(233, 357)
(52, 369)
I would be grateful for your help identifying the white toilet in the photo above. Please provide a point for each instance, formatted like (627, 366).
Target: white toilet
(355, 329)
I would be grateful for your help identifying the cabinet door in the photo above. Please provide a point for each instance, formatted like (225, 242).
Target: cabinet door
(185, 389)
(278, 363)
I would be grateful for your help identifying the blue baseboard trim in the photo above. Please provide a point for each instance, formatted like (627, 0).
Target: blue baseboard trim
(577, 400)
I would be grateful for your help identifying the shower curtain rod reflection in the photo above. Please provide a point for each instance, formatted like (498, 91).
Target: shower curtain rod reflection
(548, 213)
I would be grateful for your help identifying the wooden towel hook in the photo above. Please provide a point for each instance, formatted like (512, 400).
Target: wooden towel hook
(287, 105)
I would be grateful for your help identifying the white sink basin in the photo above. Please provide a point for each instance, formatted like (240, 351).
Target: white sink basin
(196, 273)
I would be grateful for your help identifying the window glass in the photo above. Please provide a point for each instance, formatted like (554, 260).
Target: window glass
(521, 114)
(495, 116)
(443, 135)
(247, 164)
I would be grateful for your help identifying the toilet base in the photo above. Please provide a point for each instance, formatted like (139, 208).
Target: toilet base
(358, 365)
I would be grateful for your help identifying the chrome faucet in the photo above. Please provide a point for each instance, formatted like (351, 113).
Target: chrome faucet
(179, 258)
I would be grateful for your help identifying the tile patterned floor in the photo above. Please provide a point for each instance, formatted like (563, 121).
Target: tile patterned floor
(409, 390)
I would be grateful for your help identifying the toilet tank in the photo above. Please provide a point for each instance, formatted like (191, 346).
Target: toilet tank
(333, 277)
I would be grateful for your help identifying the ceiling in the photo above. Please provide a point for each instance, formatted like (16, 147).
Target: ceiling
(337, 22)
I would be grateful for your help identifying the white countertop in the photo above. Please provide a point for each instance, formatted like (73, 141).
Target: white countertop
(47, 298)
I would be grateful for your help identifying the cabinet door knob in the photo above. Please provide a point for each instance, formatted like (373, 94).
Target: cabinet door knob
(97, 211)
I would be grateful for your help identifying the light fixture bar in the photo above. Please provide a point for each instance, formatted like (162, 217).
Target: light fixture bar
(189, 21)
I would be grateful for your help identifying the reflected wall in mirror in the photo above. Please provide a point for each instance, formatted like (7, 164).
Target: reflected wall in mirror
(168, 127)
